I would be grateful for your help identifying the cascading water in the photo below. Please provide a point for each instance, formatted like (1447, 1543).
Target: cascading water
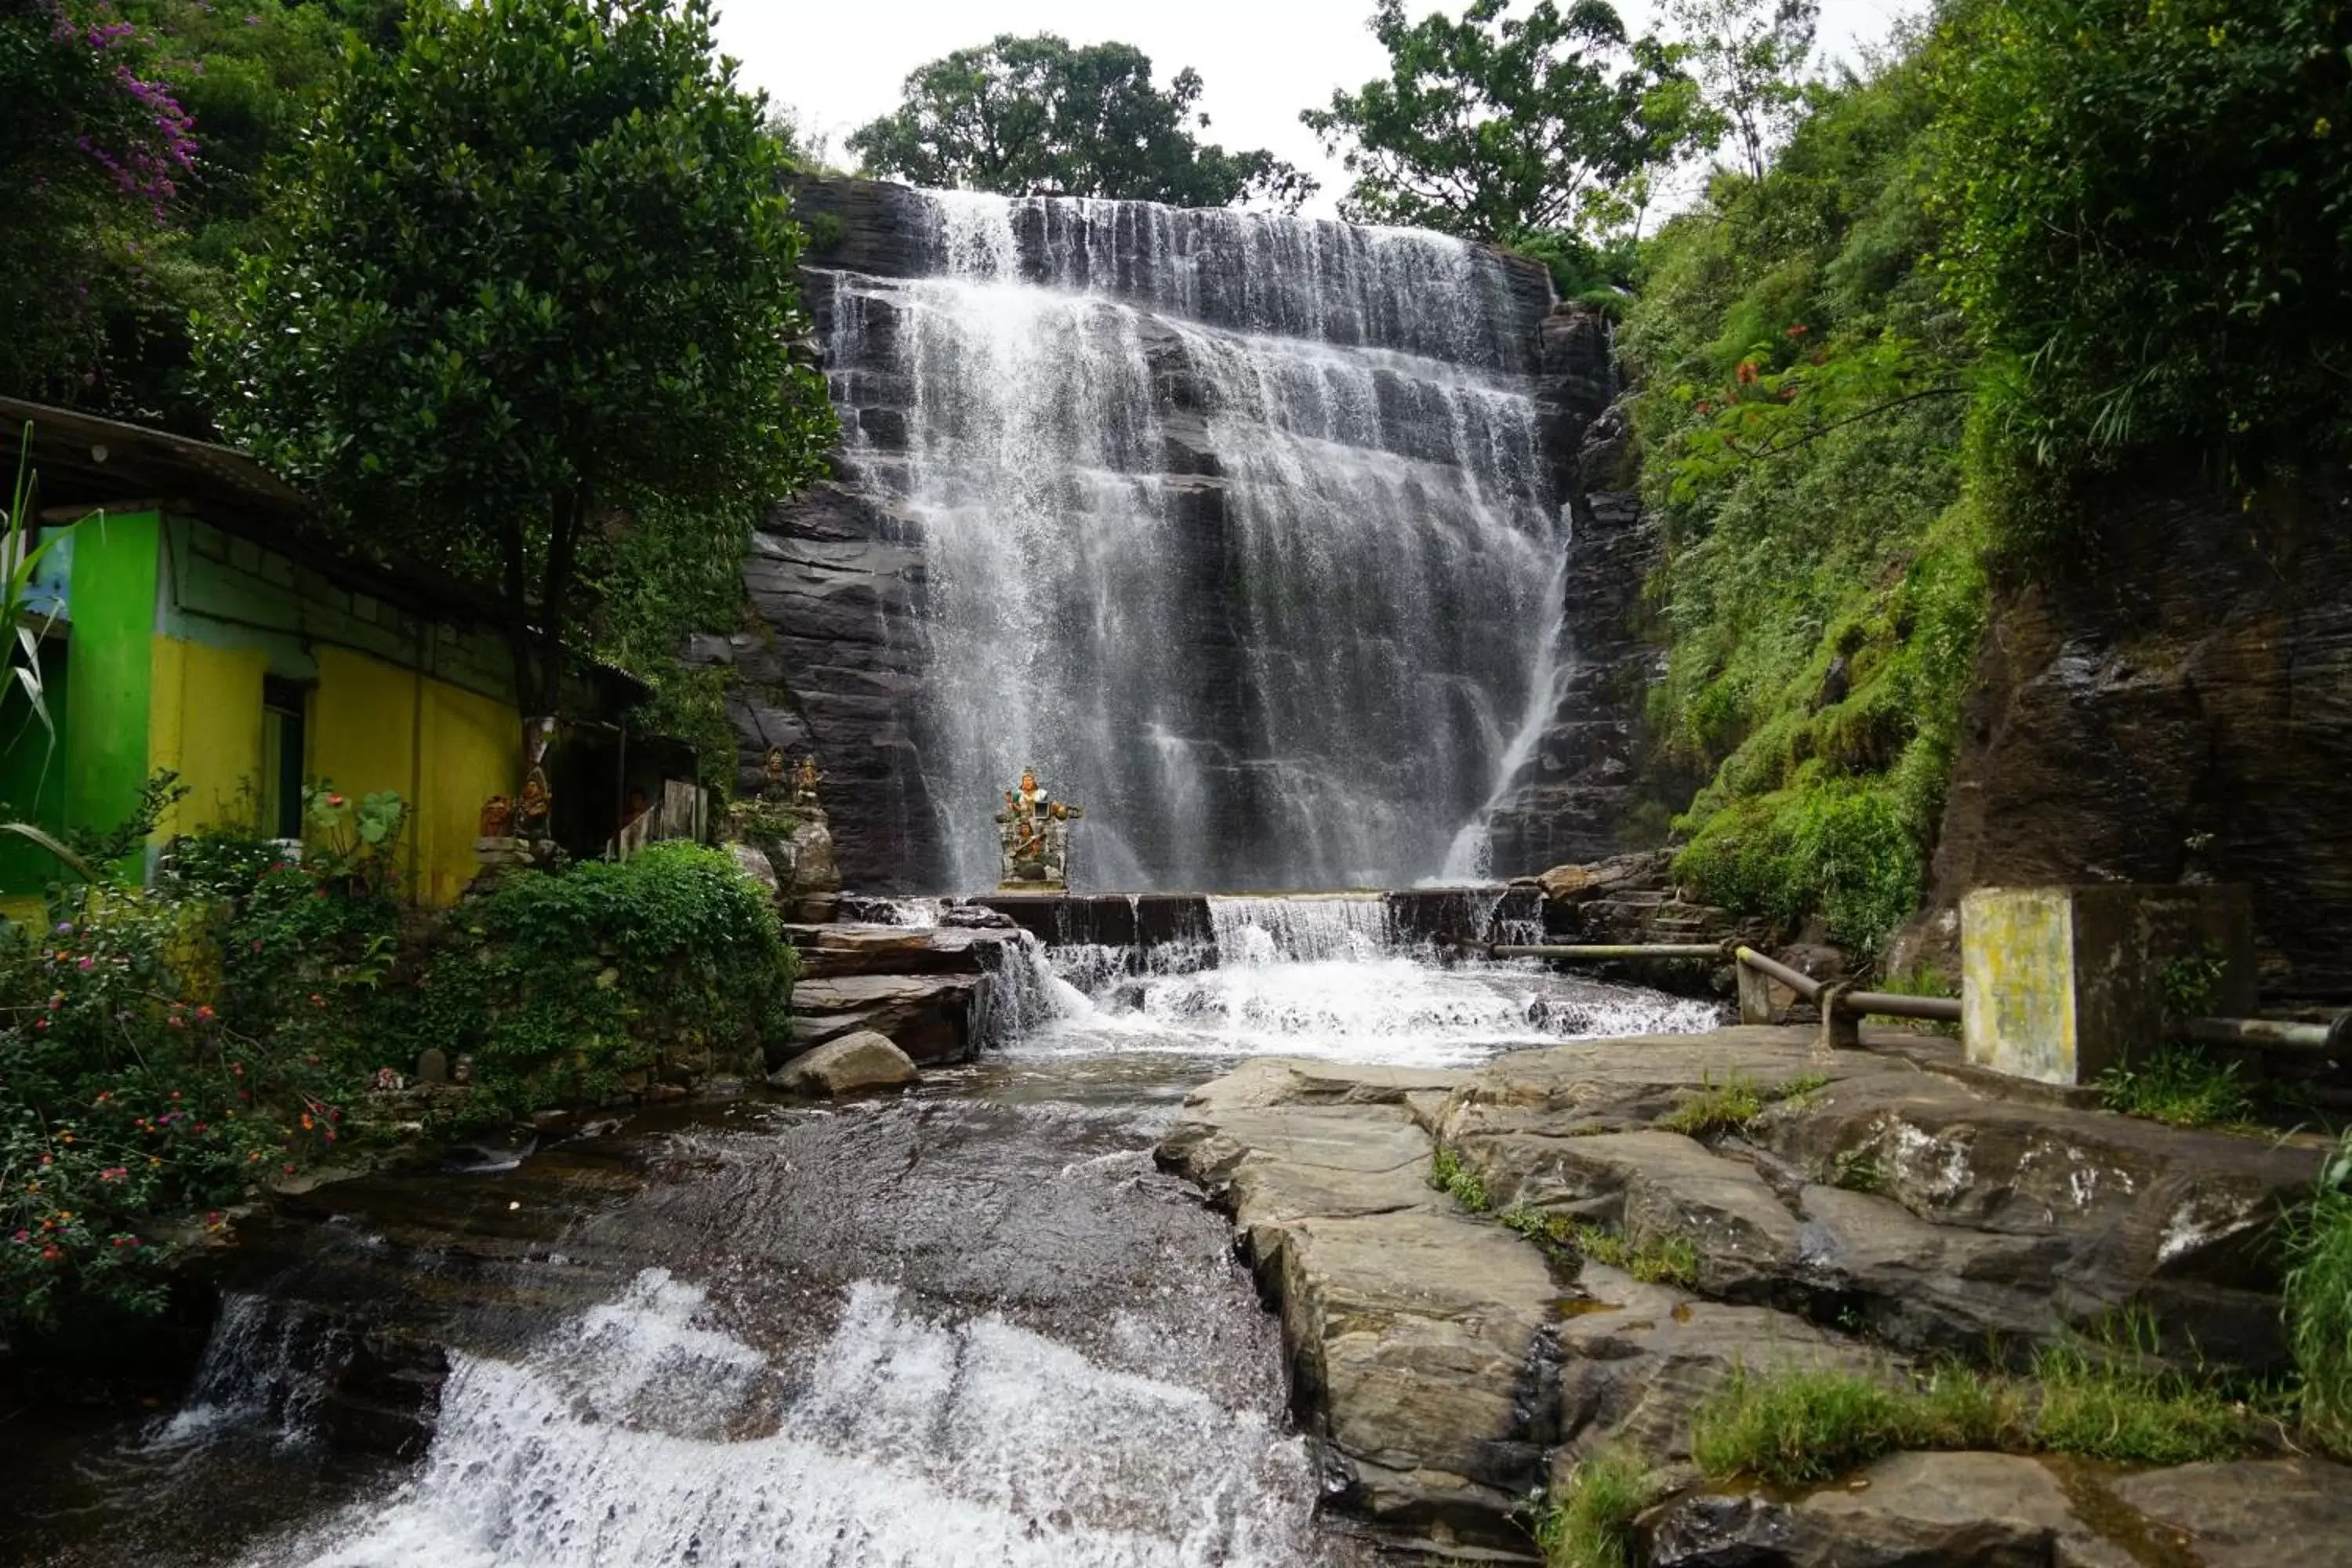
(1331, 978)
(638, 1433)
(1240, 529)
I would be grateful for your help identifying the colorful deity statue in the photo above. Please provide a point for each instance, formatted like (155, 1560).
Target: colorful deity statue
(805, 778)
(532, 808)
(498, 816)
(1033, 832)
(774, 775)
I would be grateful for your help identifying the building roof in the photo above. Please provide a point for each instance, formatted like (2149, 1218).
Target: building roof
(81, 461)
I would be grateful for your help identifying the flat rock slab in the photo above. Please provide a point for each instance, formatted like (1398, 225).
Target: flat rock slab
(2007, 1511)
(1448, 1367)
(934, 1018)
(2253, 1513)
(1416, 1333)
(833, 951)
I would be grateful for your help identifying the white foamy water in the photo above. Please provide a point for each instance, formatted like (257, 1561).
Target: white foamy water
(643, 1433)
(1324, 977)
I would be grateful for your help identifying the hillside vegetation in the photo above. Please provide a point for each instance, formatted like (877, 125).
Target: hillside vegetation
(2038, 239)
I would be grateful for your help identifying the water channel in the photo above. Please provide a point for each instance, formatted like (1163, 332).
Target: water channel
(974, 1325)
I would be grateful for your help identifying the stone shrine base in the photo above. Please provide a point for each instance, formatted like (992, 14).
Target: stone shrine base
(1904, 1208)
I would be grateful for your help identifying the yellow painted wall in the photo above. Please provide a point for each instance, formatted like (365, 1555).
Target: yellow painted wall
(203, 721)
(372, 726)
(472, 752)
(375, 726)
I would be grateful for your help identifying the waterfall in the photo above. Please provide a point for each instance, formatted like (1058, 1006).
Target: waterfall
(1239, 529)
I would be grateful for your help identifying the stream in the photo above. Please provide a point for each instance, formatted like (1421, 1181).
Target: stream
(973, 1325)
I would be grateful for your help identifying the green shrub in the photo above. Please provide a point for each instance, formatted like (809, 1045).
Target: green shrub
(2151, 213)
(2318, 1299)
(1588, 1521)
(560, 986)
(132, 1098)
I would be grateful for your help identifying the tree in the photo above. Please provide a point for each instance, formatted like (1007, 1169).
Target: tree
(1751, 56)
(93, 150)
(1494, 126)
(536, 266)
(1027, 114)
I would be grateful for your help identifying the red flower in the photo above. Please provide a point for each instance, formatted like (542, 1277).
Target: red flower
(1799, 330)
(205, 1013)
(1746, 374)
(334, 800)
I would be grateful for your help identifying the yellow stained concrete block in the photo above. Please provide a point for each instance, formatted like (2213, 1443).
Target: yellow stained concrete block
(2058, 985)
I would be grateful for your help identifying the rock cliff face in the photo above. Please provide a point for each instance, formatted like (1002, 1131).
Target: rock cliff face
(2173, 701)
(1304, 488)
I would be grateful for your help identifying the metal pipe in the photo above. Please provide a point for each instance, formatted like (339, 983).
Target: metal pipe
(1804, 985)
(1889, 1005)
(2272, 1034)
(1597, 952)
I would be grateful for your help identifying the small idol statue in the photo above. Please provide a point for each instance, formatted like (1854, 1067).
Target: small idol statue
(533, 808)
(806, 779)
(1035, 837)
(774, 774)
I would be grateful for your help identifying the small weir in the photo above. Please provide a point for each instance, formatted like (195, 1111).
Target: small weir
(975, 1325)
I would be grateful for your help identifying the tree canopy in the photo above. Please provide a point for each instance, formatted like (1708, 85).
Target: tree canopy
(535, 267)
(1023, 115)
(1750, 56)
(94, 148)
(1496, 126)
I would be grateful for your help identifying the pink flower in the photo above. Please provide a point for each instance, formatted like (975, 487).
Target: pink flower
(84, 961)
(334, 800)
(113, 1174)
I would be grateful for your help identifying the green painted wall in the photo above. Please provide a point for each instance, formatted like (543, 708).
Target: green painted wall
(109, 666)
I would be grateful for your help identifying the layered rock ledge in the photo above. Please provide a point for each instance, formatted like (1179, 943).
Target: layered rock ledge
(1893, 1205)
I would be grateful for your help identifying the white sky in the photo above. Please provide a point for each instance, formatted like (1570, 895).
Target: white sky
(840, 65)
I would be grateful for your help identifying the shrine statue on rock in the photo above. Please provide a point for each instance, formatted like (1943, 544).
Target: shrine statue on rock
(1033, 830)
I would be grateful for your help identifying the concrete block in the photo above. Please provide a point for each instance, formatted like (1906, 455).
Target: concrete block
(2058, 985)
(245, 556)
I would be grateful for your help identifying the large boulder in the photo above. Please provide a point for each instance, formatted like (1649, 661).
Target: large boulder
(850, 1064)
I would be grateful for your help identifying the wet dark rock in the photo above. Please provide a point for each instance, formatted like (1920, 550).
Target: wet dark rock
(831, 950)
(2174, 697)
(934, 1018)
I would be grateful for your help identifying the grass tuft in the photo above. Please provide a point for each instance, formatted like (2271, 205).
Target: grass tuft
(1661, 1257)
(1588, 1521)
(2319, 1306)
(1449, 1173)
(1731, 1105)
(2105, 1398)
(2179, 1085)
